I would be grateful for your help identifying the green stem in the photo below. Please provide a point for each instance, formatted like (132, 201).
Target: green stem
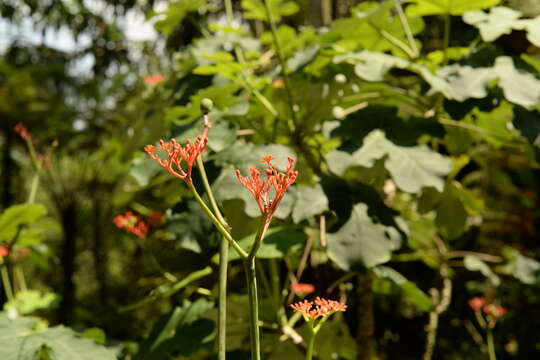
(33, 189)
(282, 63)
(6, 283)
(310, 345)
(217, 223)
(251, 279)
(490, 344)
(223, 264)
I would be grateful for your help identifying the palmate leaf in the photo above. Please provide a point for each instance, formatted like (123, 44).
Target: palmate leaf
(20, 341)
(467, 82)
(411, 168)
(361, 242)
(451, 7)
(18, 215)
(502, 20)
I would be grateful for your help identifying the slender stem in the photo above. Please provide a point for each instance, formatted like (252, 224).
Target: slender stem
(251, 278)
(33, 189)
(406, 27)
(490, 344)
(310, 345)
(6, 283)
(223, 264)
(282, 63)
(217, 223)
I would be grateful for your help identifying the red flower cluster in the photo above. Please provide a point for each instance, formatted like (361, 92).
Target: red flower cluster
(4, 251)
(132, 223)
(480, 303)
(302, 288)
(318, 308)
(23, 132)
(259, 188)
(153, 79)
(178, 154)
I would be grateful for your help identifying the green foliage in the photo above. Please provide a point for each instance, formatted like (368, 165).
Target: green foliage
(16, 216)
(23, 338)
(452, 7)
(361, 242)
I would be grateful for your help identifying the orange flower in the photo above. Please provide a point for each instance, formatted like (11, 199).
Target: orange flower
(259, 188)
(153, 79)
(132, 223)
(318, 308)
(302, 288)
(496, 311)
(4, 251)
(476, 303)
(178, 154)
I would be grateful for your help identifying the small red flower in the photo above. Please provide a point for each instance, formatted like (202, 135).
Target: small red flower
(181, 158)
(155, 218)
(132, 223)
(476, 303)
(4, 251)
(23, 132)
(302, 288)
(496, 311)
(153, 79)
(318, 308)
(259, 188)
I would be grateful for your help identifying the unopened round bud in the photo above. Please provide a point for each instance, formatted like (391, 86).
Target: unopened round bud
(206, 105)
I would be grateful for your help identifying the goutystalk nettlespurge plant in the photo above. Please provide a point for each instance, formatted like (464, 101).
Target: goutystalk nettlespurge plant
(268, 190)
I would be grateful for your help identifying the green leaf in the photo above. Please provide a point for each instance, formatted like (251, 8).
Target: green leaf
(15, 216)
(451, 7)
(502, 20)
(361, 242)
(278, 242)
(308, 201)
(470, 82)
(525, 269)
(254, 9)
(95, 334)
(474, 263)
(451, 214)
(143, 169)
(20, 339)
(182, 332)
(28, 301)
(175, 14)
(411, 168)
(411, 292)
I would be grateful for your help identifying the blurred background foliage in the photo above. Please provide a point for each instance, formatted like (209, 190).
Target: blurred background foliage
(415, 125)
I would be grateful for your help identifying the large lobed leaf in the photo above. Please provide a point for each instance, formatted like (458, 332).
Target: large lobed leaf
(20, 341)
(18, 215)
(411, 168)
(450, 7)
(361, 242)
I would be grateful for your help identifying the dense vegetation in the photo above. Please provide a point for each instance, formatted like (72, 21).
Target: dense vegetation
(414, 127)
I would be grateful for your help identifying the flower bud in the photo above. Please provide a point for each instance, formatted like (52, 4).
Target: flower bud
(206, 105)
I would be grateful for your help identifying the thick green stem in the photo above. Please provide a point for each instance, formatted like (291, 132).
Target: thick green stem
(6, 283)
(490, 344)
(310, 345)
(217, 223)
(223, 264)
(251, 279)
(446, 39)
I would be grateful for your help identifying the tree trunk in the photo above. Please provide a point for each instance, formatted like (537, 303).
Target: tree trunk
(67, 259)
(7, 167)
(99, 250)
(364, 313)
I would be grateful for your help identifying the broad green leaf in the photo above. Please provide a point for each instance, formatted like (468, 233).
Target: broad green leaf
(525, 269)
(175, 13)
(143, 169)
(467, 82)
(15, 216)
(411, 168)
(28, 301)
(474, 263)
(361, 242)
(373, 66)
(20, 339)
(191, 229)
(502, 20)
(278, 242)
(411, 292)
(95, 334)
(308, 201)
(254, 9)
(182, 332)
(451, 7)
